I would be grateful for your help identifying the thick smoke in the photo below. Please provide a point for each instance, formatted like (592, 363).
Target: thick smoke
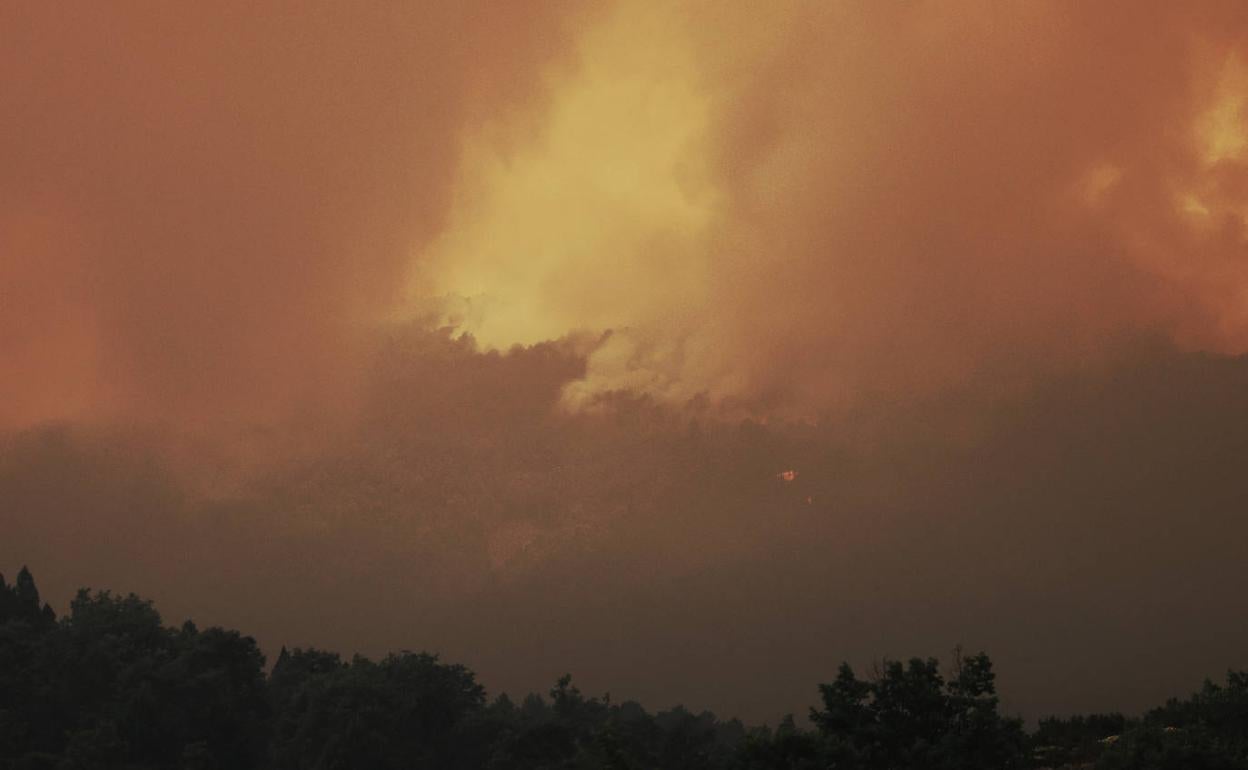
(205, 209)
(973, 272)
(207, 214)
(797, 207)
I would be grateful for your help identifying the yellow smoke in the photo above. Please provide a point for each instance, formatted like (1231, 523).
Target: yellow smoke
(786, 209)
(595, 223)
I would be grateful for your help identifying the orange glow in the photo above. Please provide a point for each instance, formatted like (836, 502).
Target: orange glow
(1221, 129)
(596, 220)
(778, 209)
(458, 321)
(736, 177)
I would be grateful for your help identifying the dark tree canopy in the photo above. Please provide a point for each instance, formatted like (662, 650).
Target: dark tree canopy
(910, 716)
(21, 601)
(110, 686)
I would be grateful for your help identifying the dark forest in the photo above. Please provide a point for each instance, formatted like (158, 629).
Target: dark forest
(108, 685)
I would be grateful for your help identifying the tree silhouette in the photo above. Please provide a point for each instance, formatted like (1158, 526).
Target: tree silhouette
(110, 686)
(909, 716)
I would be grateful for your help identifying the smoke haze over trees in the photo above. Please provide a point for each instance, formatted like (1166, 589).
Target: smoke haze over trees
(1053, 527)
(694, 348)
(109, 685)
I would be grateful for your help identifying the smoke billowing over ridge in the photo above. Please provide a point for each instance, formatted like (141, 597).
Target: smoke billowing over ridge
(449, 324)
(787, 208)
(794, 207)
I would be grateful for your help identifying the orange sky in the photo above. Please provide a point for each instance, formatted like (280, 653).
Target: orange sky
(205, 210)
(239, 245)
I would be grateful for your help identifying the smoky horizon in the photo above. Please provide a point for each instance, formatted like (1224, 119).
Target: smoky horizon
(692, 349)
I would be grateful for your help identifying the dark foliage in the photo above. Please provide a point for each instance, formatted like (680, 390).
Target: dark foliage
(1208, 731)
(910, 716)
(110, 686)
(1074, 741)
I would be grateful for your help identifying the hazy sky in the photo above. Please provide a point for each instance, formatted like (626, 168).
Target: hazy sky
(492, 329)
